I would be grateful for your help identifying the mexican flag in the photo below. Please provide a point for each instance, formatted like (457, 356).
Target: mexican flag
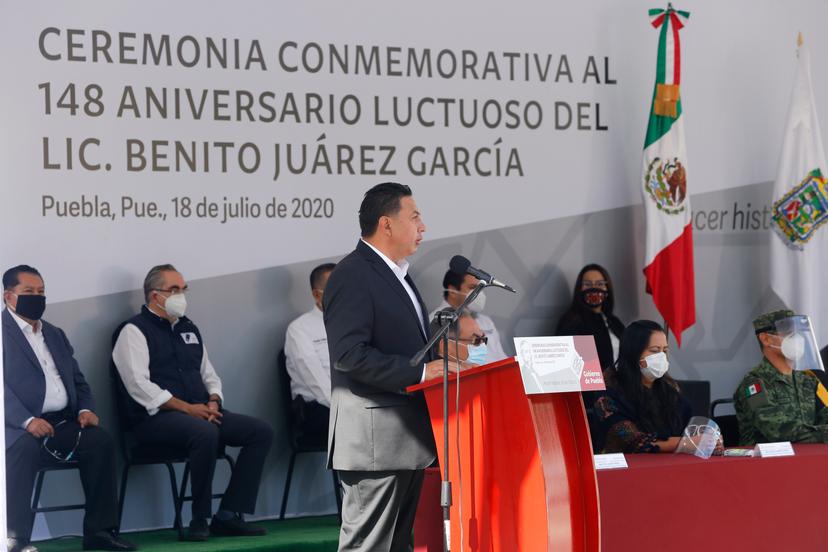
(799, 243)
(753, 389)
(668, 262)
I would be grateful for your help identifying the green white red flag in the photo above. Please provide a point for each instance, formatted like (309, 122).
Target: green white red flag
(668, 263)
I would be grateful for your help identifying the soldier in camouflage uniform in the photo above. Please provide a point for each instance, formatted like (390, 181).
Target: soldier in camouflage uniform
(775, 402)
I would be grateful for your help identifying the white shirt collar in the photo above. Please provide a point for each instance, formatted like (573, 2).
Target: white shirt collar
(399, 269)
(24, 326)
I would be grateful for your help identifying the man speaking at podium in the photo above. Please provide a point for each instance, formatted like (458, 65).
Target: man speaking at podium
(380, 437)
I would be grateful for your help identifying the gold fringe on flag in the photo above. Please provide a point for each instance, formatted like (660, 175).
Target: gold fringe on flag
(666, 100)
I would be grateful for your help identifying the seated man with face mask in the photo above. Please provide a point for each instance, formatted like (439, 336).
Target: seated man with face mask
(782, 399)
(455, 289)
(50, 418)
(174, 399)
(467, 342)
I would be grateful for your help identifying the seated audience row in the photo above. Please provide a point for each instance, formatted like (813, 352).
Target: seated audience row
(172, 394)
(169, 389)
(781, 399)
(172, 397)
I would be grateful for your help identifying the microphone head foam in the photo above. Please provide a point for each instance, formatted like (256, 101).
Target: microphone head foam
(459, 264)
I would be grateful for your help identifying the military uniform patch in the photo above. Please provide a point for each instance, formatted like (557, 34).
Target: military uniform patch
(756, 395)
(753, 389)
(822, 394)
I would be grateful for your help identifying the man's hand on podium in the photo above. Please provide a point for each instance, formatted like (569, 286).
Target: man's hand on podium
(434, 369)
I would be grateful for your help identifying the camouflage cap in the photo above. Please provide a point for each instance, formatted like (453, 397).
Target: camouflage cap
(767, 322)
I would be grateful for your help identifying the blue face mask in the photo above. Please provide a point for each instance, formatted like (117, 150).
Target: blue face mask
(477, 354)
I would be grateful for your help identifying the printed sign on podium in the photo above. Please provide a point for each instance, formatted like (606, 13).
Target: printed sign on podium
(558, 364)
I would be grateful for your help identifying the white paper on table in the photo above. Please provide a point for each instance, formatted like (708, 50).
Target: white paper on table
(771, 450)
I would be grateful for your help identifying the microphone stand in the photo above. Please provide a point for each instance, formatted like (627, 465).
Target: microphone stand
(446, 319)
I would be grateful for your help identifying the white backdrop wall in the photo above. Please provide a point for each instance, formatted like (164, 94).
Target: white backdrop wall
(560, 198)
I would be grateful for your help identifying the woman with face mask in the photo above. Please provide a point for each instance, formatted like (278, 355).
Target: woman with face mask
(591, 313)
(643, 409)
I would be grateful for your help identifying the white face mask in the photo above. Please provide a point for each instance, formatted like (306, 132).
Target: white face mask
(793, 346)
(477, 305)
(656, 367)
(176, 305)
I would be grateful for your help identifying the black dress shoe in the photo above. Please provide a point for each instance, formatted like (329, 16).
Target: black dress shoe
(235, 527)
(14, 545)
(106, 540)
(197, 531)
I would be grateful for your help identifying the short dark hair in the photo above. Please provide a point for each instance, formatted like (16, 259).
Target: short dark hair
(452, 279)
(317, 273)
(383, 200)
(12, 276)
(154, 277)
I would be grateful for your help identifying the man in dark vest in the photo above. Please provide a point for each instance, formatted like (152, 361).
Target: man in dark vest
(174, 399)
(50, 418)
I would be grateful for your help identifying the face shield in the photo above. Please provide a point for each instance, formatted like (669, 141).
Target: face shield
(798, 343)
(699, 438)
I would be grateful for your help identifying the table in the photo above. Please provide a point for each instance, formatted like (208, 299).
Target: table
(680, 502)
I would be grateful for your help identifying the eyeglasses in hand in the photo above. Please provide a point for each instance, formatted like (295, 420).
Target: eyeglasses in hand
(58, 455)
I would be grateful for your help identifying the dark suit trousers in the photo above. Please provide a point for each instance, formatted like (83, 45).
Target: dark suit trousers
(378, 510)
(313, 423)
(202, 440)
(96, 461)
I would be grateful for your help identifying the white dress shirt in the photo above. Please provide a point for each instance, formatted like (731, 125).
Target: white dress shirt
(494, 349)
(56, 398)
(400, 270)
(308, 359)
(131, 357)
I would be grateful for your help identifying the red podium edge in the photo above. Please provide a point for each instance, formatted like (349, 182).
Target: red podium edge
(565, 448)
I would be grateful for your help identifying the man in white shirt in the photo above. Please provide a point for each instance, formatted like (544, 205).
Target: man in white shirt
(455, 289)
(174, 399)
(50, 418)
(380, 439)
(309, 365)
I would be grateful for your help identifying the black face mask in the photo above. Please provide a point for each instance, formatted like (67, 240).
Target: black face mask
(594, 297)
(30, 306)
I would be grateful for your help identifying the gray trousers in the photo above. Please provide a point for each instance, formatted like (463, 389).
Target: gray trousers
(378, 509)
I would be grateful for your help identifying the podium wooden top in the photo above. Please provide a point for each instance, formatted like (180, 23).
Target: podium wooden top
(438, 382)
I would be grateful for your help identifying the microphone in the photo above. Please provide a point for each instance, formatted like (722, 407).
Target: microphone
(461, 265)
(442, 315)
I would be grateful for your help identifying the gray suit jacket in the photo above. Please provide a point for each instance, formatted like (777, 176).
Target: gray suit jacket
(373, 331)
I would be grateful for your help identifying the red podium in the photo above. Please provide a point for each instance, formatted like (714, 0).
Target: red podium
(525, 475)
